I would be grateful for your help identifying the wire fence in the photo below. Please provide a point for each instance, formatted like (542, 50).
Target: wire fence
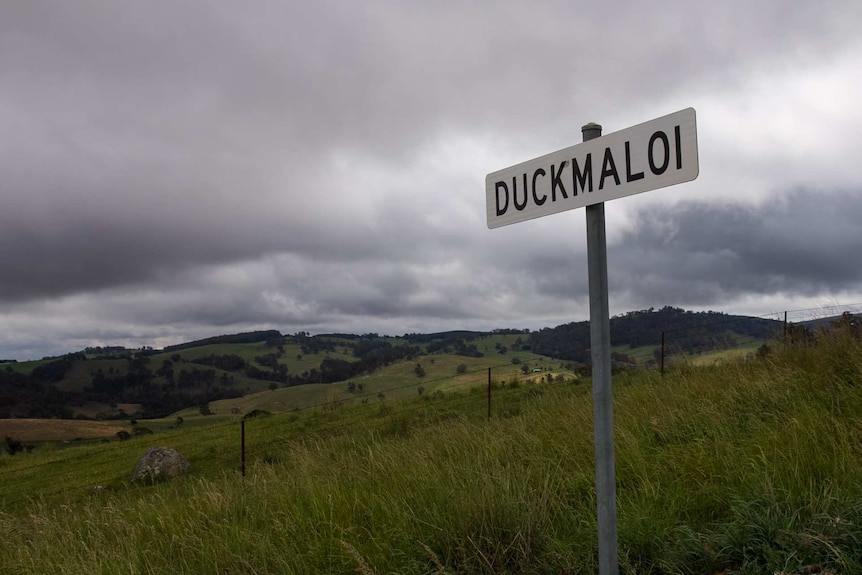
(496, 391)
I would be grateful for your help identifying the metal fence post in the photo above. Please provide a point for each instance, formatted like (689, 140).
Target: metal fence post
(242, 444)
(662, 353)
(489, 393)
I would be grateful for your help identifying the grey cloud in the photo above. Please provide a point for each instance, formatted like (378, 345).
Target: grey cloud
(373, 75)
(700, 254)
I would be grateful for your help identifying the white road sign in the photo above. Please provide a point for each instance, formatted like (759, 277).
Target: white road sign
(655, 154)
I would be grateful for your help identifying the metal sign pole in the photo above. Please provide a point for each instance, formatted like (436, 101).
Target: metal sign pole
(655, 154)
(600, 344)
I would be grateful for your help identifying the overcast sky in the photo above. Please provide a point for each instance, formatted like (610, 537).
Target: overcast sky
(176, 170)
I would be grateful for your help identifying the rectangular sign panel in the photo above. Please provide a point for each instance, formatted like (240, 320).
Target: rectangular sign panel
(655, 154)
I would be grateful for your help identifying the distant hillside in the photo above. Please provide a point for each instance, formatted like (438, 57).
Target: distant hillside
(443, 336)
(690, 332)
(147, 383)
(247, 337)
(845, 320)
(112, 382)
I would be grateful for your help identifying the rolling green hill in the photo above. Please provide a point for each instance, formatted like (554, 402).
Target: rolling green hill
(230, 372)
(218, 371)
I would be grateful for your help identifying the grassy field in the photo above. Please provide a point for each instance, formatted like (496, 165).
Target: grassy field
(59, 429)
(741, 467)
(398, 381)
(650, 354)
(742, 351)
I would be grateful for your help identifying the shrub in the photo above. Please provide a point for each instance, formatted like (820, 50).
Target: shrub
(13, 446)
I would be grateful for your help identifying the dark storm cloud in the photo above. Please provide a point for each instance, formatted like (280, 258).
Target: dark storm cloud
(169, 167)
(703, 254)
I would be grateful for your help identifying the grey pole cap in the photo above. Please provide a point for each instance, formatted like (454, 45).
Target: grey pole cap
(591, 130)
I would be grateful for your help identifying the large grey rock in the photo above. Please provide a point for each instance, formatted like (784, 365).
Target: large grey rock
(160, 463)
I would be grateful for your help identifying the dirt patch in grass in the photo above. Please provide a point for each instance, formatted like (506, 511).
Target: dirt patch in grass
(56, 429)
